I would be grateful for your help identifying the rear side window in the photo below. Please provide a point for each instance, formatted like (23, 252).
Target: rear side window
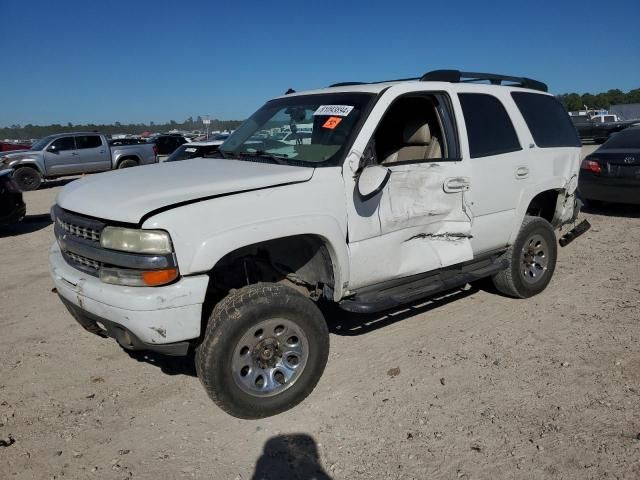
(547, 120)
(489, 127)
(88, 141)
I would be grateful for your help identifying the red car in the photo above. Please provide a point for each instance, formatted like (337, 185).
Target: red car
(9, 147)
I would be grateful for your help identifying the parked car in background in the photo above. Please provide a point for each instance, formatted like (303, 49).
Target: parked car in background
(194, 150)
(167, 143)
(612, 172)
(598, 128)
(12, 207)
(72, 154)
(9, 146)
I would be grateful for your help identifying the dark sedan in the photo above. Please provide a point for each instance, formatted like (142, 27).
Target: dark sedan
(12, 207)
(612, 172)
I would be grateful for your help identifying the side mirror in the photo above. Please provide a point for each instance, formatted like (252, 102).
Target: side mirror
(52, 149)
(372, 180)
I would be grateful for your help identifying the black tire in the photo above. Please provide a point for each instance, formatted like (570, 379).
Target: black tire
(238, 315)
(27, 178)
(128, 163)
(528, 275)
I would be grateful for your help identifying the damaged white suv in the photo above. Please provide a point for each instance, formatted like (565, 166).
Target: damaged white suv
(401, 190)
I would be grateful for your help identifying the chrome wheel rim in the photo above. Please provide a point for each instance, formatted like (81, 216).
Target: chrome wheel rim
(270, 357)
(534, 259)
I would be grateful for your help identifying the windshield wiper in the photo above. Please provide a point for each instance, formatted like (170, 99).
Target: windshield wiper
(279, 159)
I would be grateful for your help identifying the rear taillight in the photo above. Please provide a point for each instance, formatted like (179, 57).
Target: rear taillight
(591, 165)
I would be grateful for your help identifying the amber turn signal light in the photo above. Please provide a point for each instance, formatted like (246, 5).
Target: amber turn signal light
(153, 278)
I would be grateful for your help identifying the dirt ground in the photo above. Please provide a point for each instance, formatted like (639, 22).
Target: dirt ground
(472, 385)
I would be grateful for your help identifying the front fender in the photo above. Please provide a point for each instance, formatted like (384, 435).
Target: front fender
(31, 162)
(206, 231)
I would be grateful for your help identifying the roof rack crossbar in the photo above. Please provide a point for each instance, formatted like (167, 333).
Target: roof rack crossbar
(456, 76)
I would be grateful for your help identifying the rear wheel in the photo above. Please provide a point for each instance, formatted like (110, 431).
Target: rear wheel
(27, 178)
(264, 350)
(532, 260)
(128, 163)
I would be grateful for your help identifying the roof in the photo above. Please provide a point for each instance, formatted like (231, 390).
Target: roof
(376, 88)
(441, 79)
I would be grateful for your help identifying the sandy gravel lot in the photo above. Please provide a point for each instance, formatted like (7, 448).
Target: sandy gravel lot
(470, 386)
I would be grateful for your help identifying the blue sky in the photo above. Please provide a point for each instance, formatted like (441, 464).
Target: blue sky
(141, 61)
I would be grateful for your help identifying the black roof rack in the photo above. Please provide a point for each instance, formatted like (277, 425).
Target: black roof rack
(456, 76)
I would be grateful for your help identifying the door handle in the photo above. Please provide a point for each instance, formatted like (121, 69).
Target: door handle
(522, 172)
(75, 154)
(457, 184)
(101, 151)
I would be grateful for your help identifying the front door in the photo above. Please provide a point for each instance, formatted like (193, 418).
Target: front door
(421, 220)
(61, 157)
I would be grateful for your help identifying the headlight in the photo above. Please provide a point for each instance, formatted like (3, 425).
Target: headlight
(136, 241)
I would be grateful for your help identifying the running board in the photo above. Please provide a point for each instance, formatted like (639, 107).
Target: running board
(401, 292)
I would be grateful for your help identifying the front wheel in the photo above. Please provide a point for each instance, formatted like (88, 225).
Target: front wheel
(27, 178)
(532, 260)
(264, 350)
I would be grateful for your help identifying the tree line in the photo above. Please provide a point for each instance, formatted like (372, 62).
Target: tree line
(26, 132)
(571, 101)
(575, 101)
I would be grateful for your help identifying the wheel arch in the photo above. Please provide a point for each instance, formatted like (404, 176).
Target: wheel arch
(304, 261)
(124, 157)
(537, 201)
(30, 164)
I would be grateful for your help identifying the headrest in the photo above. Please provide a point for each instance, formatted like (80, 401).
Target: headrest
(417, 132)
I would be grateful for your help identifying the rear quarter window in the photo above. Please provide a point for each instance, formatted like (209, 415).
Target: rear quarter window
(489, 127)
(548, 121)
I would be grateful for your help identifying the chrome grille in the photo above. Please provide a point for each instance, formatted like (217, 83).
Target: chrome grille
(79, 231)
(83, 261)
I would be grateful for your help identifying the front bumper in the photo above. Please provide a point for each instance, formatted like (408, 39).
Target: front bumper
(140, 318)
(15, 216)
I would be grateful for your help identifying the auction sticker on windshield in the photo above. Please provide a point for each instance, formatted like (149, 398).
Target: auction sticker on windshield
(335, 110)
(332, 123)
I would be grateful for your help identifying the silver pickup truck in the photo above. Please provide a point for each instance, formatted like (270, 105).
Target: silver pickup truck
(72, 154)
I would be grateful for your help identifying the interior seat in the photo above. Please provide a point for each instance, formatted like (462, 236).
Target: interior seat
(418, 143)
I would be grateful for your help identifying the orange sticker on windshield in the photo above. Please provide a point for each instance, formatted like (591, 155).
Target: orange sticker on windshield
(332, 123)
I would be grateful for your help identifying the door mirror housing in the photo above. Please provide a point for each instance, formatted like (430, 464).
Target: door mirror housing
(52, 149)
(372, 180)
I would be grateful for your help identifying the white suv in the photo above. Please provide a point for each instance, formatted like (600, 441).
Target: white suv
(406, 188)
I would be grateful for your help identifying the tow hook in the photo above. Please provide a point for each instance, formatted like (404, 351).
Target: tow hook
(574, 233)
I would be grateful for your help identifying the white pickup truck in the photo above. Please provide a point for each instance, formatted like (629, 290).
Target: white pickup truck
(406, 188)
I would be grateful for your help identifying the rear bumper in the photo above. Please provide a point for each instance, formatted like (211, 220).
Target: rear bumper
(150, 318)
(610, 190)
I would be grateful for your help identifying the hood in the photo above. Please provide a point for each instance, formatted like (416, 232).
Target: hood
(12, 155)
(129, 194)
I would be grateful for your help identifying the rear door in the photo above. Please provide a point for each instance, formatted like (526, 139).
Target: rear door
(499, 168)
(61, 157)
(94, 155)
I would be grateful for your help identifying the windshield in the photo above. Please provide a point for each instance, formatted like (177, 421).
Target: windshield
(629, 138)
(187, 151)
(303, 130)
(40, 144)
